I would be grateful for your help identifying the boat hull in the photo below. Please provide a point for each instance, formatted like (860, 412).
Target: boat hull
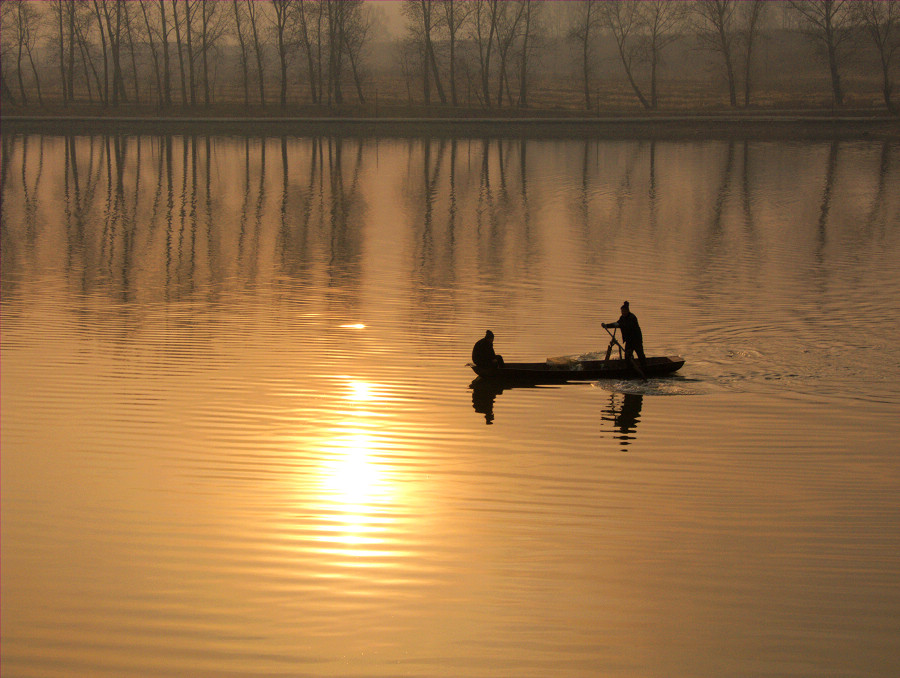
(587, 370)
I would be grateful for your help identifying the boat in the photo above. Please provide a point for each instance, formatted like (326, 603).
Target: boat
(557, 371)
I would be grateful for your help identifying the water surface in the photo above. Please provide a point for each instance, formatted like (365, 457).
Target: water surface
(239, 437)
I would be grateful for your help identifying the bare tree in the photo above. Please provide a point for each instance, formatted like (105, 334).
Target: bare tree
(624, 20)
(190, 13)
(715, 30)
(356, 35)
(26, 23)
(509, 20)
(164, 41)
(530, 27)
(881, 22)
(7, 53)
(130, 29)
(114, 30)
(212, 27)
(752, 12)
(60, 11)
(179, 46)
(422, 20)
(455, 15)
(483, 29)
(154, 51)
(254, 14)
(85, 49)
(239, 30)
(334, 42)
(308, 17)
(347, 32)
(584, 25)
(283, 41)
(664, 22)
(829, 25)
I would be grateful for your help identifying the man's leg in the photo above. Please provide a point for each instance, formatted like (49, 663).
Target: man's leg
(639, 349)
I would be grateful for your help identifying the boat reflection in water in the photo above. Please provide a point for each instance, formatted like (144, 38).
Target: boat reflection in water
(485, 392)
(624, 412)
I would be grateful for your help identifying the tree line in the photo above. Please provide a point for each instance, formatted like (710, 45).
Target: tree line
(474, 53)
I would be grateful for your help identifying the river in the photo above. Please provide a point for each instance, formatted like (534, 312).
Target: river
(239, 434)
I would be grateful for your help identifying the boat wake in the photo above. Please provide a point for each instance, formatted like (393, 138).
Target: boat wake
(671, 386)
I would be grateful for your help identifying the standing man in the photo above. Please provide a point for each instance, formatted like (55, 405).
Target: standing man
(483, 352)
(631, 334)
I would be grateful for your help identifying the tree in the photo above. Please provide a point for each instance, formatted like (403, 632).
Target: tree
(509, 20)
(624, 21)
(483, 28)
(531, 21)
(584, 24)
(455, 15)
(829, 25)
(60, 10)
(239, 29)
(190, 12)
(7, 54)
(881, 22)
(254, 17)
(213, 26)
(26, 26)
(130, 29)
(335, 42)
(114, 30)
(308, 17)
(356, 36)
(715, 30)
(422, 22)
(164, 41)
(664, 22)
(178, 45)
(283, 41)
(752, 12)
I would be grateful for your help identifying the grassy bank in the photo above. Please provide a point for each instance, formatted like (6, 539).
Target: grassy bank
(401, 121)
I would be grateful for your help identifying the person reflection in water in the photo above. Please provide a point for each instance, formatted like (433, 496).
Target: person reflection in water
(626, 418)
(483, 396)
(631, 334)
(483, 354)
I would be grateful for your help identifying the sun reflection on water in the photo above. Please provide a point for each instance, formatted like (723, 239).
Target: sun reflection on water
(358, 490)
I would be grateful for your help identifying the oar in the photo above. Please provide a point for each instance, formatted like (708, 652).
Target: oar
(630, 357)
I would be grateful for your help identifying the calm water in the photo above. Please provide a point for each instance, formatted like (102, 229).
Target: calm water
(239, 438)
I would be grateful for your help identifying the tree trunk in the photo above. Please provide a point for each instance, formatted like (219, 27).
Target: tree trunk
(189, 33)
(63, 80)
(451, 27)
(257, 48)
(175, 20)
(71, 5)
(154, 53)
(204, 16)
(308, 49)
(240, 36)
(167, 70)
(134, 69)
(833, 67)
(104, 93)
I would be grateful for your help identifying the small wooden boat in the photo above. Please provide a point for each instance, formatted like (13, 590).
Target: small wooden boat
(556, 372)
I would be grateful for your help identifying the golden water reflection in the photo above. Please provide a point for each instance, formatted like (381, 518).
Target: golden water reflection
(357, 491)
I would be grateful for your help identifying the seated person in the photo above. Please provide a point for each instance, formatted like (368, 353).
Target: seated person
(483, 352)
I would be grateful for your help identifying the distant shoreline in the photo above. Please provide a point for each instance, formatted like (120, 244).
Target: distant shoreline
(755, 125)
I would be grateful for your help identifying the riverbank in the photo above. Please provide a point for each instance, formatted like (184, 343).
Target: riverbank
(402, 121)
